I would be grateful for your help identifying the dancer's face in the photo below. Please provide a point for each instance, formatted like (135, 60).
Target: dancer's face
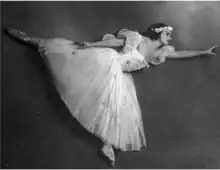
(165, 37)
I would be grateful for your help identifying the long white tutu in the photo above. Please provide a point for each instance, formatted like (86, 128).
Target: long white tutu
(97, 92)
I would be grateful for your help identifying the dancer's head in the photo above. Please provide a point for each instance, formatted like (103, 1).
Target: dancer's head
(160, 32)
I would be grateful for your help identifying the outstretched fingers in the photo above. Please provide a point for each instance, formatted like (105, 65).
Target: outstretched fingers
(212, 50)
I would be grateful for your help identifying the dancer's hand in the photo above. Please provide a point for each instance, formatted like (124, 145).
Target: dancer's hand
(83, 45)
(212, 51)
(86, 44)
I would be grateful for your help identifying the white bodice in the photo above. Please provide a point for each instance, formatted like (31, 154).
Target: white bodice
(132, 61)
(129, 58)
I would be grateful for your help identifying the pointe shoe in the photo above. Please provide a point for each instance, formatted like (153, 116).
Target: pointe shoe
(108, 151)
(18, 34)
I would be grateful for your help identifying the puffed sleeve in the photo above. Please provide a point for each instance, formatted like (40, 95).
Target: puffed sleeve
(108, 36)
(164, 52)
(169, 48)
(132, 39)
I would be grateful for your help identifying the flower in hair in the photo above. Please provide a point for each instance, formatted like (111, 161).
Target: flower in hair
(161, 29)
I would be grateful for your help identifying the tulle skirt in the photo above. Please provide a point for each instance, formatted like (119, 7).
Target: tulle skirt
(99, 95)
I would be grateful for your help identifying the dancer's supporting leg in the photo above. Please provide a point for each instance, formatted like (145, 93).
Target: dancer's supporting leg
(108, 151)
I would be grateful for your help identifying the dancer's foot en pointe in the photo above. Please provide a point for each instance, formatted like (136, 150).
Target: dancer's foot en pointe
(23, 36)
(108, 151)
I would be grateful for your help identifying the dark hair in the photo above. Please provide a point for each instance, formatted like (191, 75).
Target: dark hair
(152, 34)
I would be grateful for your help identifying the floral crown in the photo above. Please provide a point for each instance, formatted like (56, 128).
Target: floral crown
(161, 29)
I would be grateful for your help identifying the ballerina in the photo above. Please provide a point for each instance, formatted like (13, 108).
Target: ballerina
(94, 79)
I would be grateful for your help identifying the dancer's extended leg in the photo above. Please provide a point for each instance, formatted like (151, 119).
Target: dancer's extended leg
(23, 36)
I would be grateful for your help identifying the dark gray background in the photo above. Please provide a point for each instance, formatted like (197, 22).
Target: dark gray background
(179, 99)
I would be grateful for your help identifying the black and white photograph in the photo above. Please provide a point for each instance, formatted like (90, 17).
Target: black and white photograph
(110, 84)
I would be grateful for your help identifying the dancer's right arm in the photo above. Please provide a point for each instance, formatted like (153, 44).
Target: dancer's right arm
(106, 43)
(125, 38)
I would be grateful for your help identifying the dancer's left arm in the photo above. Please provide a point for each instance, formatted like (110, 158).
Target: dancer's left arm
(168, 52)
(189, 54)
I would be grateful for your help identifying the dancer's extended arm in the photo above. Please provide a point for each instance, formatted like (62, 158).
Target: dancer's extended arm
(190, 54)
(168, 52)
